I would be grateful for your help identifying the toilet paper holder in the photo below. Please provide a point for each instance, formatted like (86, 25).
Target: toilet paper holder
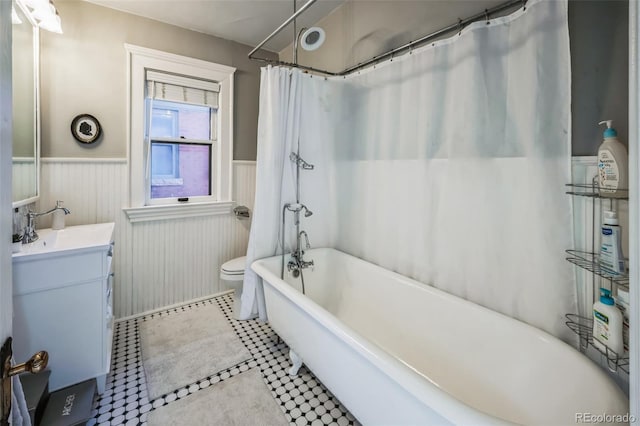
(241, 212)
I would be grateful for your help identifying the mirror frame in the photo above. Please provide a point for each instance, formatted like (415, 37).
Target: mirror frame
(36, 102)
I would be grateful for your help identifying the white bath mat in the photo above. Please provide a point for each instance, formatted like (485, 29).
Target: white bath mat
(181, 348)
(241, 400)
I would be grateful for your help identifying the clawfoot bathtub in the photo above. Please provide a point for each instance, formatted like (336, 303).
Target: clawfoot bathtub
(376, 339)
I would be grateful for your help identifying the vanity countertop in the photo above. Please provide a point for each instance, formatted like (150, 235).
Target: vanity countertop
(70, 238)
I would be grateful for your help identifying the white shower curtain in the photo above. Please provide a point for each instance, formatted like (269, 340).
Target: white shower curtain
(451, 164)
(446, 165)
(278, 126)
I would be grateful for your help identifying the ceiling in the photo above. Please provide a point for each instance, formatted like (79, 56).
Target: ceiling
(245, 21)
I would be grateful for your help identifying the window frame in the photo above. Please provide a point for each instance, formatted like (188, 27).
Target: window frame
(176, 141)
(140, 59)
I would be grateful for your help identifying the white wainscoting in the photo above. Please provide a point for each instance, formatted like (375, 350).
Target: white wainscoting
(24, 178)
(157, 263)
(583, 170)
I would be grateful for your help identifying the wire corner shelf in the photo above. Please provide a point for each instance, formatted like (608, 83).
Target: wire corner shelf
(593, 190)
(583, 327)
(589, 261)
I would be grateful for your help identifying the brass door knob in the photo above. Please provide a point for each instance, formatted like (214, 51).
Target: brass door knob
(35, 364)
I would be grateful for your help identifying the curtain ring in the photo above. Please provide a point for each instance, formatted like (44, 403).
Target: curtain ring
(459, 26)
(486, 15)
(524, 5)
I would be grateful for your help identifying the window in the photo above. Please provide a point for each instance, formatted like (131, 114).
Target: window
(180, 135)
(181, 123)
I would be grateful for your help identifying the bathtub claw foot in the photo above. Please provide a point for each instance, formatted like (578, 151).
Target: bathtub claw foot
(297, 363)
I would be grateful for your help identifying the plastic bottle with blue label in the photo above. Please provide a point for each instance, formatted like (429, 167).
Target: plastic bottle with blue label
(611, 258)
(607, 325)
(613, 164)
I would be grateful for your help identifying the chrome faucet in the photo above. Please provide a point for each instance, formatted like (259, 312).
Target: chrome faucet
(30, 235)
(306, 237)
(297, 261)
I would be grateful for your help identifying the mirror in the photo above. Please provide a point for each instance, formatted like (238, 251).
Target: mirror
(26, 131)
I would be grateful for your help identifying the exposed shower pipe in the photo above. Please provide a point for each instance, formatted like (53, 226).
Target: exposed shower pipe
(296, 208)
(295, 30)
(295, 45)
(277, 30)
(458, 26)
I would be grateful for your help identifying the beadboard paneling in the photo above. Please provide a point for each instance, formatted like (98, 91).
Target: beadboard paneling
(24, 179)
(583, 170)
(94, 190)
(244, 182)
(156, 263)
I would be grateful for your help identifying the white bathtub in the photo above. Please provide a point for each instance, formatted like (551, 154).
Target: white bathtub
(395, 351)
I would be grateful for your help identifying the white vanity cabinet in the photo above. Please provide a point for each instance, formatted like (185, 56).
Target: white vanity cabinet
(62, 295)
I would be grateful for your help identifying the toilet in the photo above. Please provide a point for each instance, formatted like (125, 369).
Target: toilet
(232, 272)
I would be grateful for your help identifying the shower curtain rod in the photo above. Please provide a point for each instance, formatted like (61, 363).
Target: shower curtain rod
(458, 26)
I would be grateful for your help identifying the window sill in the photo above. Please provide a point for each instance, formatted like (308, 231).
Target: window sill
(177, 211)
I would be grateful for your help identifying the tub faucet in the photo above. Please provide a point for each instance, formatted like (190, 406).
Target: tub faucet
(306, 238)
(30, 234)
(297, 261)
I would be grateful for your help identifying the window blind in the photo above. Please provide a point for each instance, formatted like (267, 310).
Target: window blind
(176, 88)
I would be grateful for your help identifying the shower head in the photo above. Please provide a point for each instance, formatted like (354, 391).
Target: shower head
(293, 207)
(312, 38)
(297, 207)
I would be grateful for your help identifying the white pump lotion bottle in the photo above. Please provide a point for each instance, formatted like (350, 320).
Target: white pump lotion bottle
(613, 165)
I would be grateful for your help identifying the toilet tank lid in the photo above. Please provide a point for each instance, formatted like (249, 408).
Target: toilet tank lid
(235, 265)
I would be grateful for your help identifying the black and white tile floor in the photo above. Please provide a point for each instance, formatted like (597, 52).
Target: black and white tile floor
(303, 399)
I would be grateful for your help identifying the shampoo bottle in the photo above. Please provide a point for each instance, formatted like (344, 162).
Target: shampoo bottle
(607, 324)
(611, 258)
(612, 165)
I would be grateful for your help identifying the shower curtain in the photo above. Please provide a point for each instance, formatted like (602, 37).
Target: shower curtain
(448, 164)
(278, 125)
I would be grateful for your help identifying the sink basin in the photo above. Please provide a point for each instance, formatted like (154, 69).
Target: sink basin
(69, 238)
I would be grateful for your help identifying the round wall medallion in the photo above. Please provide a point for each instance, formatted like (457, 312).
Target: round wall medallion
(86, 128)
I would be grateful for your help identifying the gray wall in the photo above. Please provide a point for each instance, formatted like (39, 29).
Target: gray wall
(599, 35)
(359, 30)
(598, 31)
(84, 71)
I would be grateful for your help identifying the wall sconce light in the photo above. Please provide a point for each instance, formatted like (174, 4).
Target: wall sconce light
(44, 13)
